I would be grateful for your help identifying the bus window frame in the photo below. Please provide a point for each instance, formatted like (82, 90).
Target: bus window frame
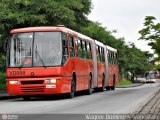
(71, 48)
(66, 46)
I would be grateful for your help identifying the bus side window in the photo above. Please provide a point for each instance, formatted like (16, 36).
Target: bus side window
(78, 48)
(71, 46)
(109, 57)
(112, 57)
(90, 54)
(65, 48)
(103, 60)
(88, 50)
(116, 59)
(86, 57)
(83, 49)
(101, 54)
(97, 51)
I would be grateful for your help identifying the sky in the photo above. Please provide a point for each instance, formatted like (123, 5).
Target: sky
(126, 16)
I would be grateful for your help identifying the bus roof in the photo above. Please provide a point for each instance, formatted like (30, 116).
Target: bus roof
(111, 49)
(99, 43)
(47, 28)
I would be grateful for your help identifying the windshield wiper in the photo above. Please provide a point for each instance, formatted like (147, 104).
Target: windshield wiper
(37, 53)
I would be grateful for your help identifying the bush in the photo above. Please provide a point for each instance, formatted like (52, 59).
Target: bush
(2, 78)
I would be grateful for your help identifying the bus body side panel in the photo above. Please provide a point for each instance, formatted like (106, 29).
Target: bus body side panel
(110, 74)
(113, 70)
(101, 71)
(116, 72)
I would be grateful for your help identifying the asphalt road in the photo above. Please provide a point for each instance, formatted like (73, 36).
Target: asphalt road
(119, 101)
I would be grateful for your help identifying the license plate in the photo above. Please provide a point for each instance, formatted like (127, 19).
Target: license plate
(50, 86)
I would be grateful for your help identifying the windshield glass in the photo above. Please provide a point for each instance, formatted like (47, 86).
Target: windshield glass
(35, 49)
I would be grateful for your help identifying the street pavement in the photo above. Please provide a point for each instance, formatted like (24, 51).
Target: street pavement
(144, 99)
(120, 101)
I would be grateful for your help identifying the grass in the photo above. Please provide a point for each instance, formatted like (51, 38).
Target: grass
(124, 82)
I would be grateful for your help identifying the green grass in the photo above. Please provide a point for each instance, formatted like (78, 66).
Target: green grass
(124, 82)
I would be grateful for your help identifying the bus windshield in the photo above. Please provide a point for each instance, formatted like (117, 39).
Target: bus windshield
(35, 49)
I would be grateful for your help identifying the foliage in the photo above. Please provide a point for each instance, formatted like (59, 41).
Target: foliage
(3, 86)
(130, 58)
(2, 62)
(137, 59)
(24, 13)
(2, 78)
(72, 14)
(28, 13)
(151, 33)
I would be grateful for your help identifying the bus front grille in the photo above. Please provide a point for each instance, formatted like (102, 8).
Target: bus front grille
(32, 82)
(33, 89)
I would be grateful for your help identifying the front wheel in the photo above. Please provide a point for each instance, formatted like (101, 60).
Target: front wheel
(73, 88)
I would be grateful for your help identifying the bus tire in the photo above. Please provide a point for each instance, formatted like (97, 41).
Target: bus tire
(89, 91)
(103, 84)
(114, 83)
(73, 88)
(108, 88)
(26, 98)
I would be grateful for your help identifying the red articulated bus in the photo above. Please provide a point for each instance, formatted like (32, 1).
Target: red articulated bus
(54, 60)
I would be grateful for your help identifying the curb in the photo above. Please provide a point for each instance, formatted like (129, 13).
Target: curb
(130, 86)
(4, 96)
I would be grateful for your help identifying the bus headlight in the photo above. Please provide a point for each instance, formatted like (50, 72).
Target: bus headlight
(50, 81)
(14, 82)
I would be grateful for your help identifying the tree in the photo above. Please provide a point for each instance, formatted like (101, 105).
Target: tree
(130, 58)
(151, 33)
(29, 13)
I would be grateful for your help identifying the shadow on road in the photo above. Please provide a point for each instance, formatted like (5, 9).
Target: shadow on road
(56, 97)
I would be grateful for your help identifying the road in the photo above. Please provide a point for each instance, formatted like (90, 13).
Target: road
(122, 100)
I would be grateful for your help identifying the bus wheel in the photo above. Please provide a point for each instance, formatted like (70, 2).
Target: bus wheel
(73, 88)
(108, 88)
(26, 98)
(103, 84)
(114, 83)
(89, 91)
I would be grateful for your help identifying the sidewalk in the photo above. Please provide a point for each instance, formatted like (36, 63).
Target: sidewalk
(152, 107)
(150, 111)
(132, 85)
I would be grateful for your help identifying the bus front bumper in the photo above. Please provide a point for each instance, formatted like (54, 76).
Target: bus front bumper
(38, 86)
